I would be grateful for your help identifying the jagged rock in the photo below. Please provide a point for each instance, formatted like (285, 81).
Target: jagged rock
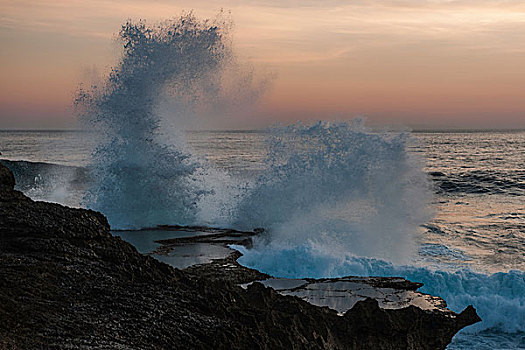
(66, 282)
(7, 179)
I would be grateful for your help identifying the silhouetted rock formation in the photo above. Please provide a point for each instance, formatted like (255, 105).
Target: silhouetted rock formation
(66, 282)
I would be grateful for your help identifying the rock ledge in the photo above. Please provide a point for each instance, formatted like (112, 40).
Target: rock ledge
(66, 282)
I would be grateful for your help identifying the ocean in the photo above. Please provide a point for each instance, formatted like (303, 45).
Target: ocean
(461, 193)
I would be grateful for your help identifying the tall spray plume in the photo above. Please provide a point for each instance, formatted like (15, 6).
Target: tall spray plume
(170, 72)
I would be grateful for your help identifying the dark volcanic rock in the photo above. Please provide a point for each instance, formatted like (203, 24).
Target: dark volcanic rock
(66, 282)
(7, 178)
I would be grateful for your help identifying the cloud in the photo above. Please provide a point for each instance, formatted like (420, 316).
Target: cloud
(445, 45)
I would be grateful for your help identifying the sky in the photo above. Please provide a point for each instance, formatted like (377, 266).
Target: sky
(417, 63)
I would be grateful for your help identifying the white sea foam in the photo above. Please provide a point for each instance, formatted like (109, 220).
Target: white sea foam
(499, 298)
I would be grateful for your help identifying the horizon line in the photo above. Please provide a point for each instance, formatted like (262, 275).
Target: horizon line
(415, 130)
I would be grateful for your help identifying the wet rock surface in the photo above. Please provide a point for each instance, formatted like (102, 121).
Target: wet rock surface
(341, 294)
(67, 283)
(183, 246)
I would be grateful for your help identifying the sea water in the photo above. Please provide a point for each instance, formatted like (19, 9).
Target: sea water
(470, 252)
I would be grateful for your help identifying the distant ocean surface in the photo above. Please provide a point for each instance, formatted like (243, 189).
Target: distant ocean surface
(478, 180)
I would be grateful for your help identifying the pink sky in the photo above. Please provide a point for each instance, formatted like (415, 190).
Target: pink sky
(419, 63)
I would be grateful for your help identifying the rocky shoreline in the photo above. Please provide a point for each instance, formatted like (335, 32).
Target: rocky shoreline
(67, 283)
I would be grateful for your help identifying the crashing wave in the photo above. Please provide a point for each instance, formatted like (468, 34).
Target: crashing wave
(339, 186)
(338, 200)
(499, 298)
(139, 178)
(50, 182)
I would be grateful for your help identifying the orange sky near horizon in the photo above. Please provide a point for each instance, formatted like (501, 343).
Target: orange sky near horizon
(420, 63)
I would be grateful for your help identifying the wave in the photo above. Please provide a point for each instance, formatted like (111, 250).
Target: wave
(510, 182)
(499, 298)
(40, 176)
(142, 177)
(341, 185)
(50, 182)
(338, 200)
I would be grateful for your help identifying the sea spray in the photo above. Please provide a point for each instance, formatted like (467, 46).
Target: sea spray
(139, 178)
(338, 187)
(49, 182)
(337, 200)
